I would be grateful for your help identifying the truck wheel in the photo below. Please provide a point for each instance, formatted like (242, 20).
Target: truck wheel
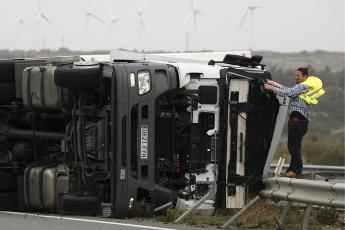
(76, 78)
(8, 182)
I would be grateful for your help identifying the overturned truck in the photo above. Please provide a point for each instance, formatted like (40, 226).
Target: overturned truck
(108, 138)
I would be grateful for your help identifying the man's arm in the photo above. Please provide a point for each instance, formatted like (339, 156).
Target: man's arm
(291, 92)
(275, 84)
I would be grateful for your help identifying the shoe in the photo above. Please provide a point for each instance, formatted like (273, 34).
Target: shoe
(290, 174)
(283, 174)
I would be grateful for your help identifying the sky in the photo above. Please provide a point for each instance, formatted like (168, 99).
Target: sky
(278, 25)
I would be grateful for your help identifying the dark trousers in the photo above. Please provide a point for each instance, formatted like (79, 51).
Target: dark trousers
(297, 129)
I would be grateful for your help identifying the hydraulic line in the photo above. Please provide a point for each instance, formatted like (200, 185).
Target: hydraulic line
(30, 134)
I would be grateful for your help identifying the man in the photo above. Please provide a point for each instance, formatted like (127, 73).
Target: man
(301, 96)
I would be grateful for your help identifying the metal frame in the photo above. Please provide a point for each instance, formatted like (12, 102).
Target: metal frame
(305, 191)
(189, 211)
(281, 117)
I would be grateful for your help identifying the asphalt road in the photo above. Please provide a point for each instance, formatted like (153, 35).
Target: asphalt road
(30, 221)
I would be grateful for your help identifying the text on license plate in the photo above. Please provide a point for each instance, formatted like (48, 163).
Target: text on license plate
(144, 131)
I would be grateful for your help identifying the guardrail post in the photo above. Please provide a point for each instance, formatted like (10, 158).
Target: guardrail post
(239, 214)
(306, 217)
(284, 214)
(189, 211)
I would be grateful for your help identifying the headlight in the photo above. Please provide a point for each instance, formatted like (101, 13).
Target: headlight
(144, 82)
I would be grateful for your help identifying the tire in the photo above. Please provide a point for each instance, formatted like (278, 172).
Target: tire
(77, 78)
(8, 201)
(8, 182)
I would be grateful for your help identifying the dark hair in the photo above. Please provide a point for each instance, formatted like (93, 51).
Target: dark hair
(303, 70)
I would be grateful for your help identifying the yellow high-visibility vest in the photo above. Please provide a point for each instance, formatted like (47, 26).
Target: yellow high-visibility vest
(315, 90)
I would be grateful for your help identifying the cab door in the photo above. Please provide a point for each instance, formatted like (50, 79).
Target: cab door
(254, 126)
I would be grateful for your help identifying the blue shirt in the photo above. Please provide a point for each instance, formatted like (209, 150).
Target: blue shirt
(296, 103)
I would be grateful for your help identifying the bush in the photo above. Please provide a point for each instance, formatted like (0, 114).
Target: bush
(327, 216)
(317, 151)
(171, 215)
(168, 215)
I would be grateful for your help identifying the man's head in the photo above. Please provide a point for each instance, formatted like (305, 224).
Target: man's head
(301, 75)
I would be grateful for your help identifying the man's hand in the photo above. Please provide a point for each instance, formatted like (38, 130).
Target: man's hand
(275, 84)
(270, 82)
(269, 87)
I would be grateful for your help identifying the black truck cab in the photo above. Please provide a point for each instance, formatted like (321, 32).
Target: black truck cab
(126, 136)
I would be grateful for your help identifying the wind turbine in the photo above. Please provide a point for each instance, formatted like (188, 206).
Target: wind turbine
(196, 13)
(187, 42)
(18, 26)
(250, 10)
(113, 21)
(90, 15)
(141, 28)
(140, 15)
(40, 16)
(193, 14)
(95, 17)
(19, 21)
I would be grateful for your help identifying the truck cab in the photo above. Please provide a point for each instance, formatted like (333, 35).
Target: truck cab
(111, 138)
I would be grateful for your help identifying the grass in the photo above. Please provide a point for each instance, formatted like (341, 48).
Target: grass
(261, 216)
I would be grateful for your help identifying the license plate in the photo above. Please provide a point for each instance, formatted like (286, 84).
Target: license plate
(144, 131)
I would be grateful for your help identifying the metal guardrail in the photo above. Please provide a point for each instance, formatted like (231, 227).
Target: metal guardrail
(305, 191)
(309, 169)
(310, 192)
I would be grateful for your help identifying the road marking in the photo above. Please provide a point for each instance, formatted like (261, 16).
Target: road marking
(86, 220)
